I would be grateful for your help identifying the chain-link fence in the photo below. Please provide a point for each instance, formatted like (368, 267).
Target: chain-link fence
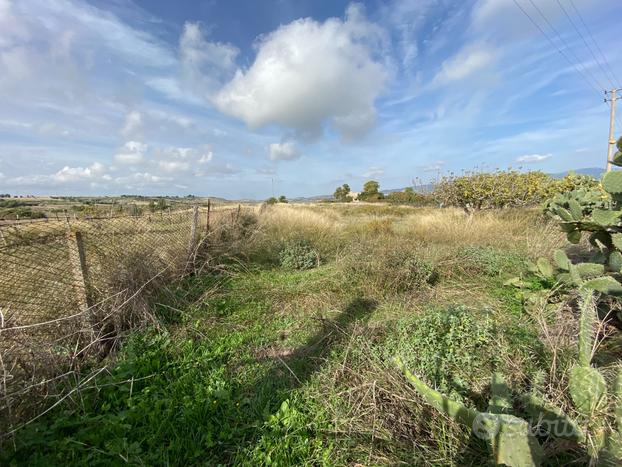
(68, 287)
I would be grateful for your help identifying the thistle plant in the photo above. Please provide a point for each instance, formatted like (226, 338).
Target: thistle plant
(513, 440)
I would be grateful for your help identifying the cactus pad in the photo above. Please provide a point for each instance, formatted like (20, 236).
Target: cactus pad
(574, 236)
(615, 261)
(587, 389)
(612, 182)
(561, 260)
(548, 416)
(575, 209)
(501, 399)
(606, 217)
(545, 268)
(605, 284)
(590, 270)
(586, 326)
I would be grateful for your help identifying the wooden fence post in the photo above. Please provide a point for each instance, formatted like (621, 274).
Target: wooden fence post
(79, 270)
(193, 233)
(209, 207)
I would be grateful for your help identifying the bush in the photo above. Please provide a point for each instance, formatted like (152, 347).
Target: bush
(447, 346)
(299, 255)
(409, 196)
(388, 268)
(509, 188)
(490, 261)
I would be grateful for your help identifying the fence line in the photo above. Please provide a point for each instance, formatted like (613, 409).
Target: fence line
(68, 287)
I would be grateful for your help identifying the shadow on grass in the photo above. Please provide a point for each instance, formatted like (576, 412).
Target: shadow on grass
(185, 405)
(287, 371)
(291, 369)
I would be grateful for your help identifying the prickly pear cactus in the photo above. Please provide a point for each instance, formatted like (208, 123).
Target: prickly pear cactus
(510, 438)
(513, 440)
(599, 215)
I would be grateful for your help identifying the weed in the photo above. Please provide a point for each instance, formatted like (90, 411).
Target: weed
(490, 261)
(299, 255)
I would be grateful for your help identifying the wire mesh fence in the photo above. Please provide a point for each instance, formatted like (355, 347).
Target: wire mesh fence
(68, 287)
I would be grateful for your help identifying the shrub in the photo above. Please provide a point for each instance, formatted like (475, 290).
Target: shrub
(371, 192)
(447, 346)
(388, 268)
(408, 196)
(489, 261)
(299, 255)
(509, 188)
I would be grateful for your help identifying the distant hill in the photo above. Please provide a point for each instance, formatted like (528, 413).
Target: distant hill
(595, 172)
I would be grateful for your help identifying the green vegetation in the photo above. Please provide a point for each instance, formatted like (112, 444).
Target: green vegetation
(299, 255)
(512, 439)
(502, 189)
(371, 192)
(342, 193)
(281, 351)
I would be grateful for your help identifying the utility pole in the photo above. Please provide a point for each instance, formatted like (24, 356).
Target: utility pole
(612, 117)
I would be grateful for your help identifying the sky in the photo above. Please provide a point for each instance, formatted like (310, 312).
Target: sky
(245, 98)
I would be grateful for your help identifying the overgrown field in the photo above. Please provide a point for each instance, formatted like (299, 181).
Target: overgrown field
(281, 352)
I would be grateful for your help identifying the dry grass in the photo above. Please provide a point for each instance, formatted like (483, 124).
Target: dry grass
(371, 253)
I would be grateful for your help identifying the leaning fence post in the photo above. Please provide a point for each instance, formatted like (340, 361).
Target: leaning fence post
(209, 207)
(193, 233)
(77, 260)
(79, 270)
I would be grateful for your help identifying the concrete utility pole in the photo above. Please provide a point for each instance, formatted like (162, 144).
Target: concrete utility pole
(612, 117)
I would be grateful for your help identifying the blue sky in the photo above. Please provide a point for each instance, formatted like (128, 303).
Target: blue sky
(222, 97)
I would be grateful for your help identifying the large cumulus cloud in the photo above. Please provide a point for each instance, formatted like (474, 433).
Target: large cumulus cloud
(307, 74)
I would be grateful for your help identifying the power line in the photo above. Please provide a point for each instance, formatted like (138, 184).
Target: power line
(559, 37)
(589, 47)
(588, 82)
(615, 78)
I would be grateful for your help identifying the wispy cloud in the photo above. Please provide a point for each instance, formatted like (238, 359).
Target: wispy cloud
(533, 158)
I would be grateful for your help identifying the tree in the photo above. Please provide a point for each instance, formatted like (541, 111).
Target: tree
(272, 200)
(282, 199)
(371, 191)
(161, 204)
(342, 193)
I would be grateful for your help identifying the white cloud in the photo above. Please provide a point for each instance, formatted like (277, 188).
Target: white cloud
(286, 151)
(132, 153)
(467, 61)
(206, 157)
(133, 124)
(307, 73)
(12, 28)
(141, 180)
(72, 174)
(205, 64)
(96, 172)
(434, 167)
(531, 158)
(374, 172)
(173, 166)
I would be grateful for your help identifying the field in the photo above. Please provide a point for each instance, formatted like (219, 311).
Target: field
(259, 363)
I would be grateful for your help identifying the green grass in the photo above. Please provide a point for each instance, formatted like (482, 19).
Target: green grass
(217, 386)
(273, 366)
